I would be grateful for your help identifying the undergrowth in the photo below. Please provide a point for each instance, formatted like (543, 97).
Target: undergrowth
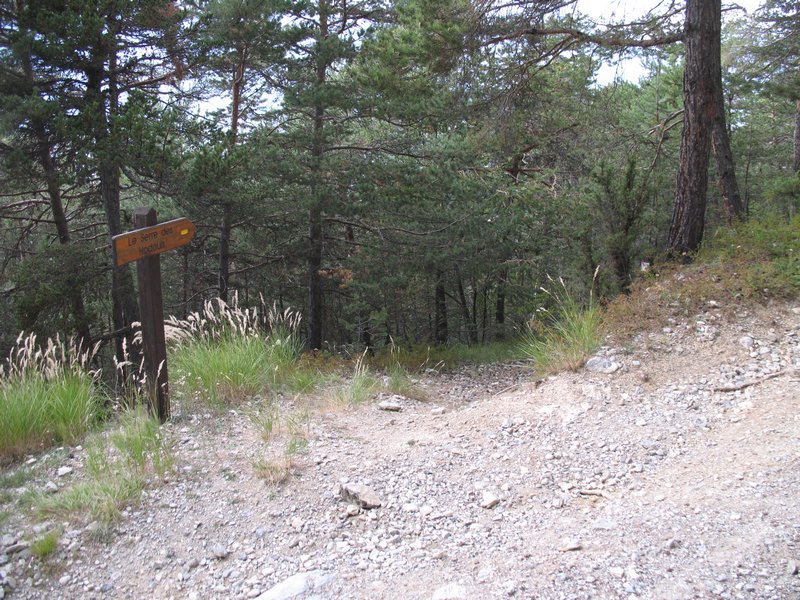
(561, 337)
(119, 463)
(223, 356)
(358, 389)
(419, 358)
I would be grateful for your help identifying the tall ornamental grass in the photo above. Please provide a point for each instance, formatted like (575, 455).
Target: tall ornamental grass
(226, 353)
(47, 395)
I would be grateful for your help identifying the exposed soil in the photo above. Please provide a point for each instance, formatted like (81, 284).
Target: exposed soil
(651, 481)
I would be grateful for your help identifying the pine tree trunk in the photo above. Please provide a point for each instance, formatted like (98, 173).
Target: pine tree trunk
(225, 250)
(316, 231)
(49, 169)
(440, 332)
(724, 157)
(125, 309)
(797, 137)
(702, 41)
(500, 305)
(227, 207)
(469, 324)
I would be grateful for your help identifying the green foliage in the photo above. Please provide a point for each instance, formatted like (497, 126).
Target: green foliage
(619, 202)
(222, 356)
(758, 258)
(783, 194)
(562, 337)
(118, 466)
(47, 396)
(46, 283)
(46, 545)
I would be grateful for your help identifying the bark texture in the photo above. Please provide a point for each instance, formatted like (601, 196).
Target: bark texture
(315, 215)
(702, 42)
(797, 137)
(724, 157)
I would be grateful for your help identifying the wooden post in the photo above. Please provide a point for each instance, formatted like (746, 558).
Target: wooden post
(152, 313)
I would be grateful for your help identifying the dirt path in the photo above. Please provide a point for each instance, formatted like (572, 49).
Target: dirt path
(642, 483)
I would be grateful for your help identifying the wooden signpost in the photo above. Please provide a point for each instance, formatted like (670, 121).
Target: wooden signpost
(143, 245)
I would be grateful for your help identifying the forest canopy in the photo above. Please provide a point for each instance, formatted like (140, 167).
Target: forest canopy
(404, 171)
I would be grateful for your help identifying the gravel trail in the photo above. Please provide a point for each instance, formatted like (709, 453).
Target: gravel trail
(668, 468)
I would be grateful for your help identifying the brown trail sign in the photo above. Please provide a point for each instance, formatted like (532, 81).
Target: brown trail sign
(148, 241)
(144, 244)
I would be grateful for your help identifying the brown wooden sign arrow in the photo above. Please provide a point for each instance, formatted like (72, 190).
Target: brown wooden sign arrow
(149, 241)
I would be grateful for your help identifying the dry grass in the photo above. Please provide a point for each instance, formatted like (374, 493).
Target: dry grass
(752, 263)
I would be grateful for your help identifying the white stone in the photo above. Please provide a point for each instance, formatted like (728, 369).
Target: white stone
(451, 591)
(489, 500)
(297, 584)
(601, 364)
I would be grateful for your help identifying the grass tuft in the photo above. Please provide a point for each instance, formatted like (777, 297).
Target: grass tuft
(562, 337)
(45, 545)
(359, 388)
(47, 396)
(223, 356)
(118, 466)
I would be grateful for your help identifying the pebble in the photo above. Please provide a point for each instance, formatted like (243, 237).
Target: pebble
(362, 495)
(791, 567)
(390, 406)
(489, 500)
(297, 584)
(219, 551)
(602, 364)
(519, 456)
(62, 471)
(450, 591)
(569, 545)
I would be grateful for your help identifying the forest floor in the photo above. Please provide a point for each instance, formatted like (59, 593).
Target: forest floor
(666, 476)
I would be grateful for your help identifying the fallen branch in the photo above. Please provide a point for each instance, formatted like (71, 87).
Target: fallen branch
(747, 384)
(601, 493)
(504, 390)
